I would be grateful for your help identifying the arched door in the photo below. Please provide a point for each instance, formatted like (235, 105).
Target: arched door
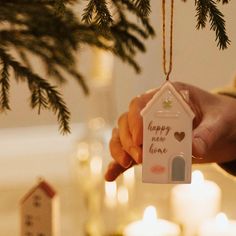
(178, 169)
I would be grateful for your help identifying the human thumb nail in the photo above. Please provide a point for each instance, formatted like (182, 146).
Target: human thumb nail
(200, 146)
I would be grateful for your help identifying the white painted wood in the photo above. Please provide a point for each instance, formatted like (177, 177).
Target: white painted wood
(167, 138)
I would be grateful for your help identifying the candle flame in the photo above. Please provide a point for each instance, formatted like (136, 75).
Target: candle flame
(222, 220)
(150, 215)
(197, 177)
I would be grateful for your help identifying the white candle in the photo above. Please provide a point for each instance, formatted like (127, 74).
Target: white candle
(96, 166)
(110, 194)
(129, 177)
(123, 196)
(152, 226)
(218, 226)
(82, 154)
(102, 66)
(193, 204)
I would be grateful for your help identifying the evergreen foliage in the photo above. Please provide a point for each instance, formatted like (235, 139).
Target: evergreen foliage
(52, 31)
(208, 8)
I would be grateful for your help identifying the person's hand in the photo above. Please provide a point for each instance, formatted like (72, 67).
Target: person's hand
(214, 130)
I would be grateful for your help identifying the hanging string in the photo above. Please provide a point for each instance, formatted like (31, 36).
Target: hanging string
(167, 71)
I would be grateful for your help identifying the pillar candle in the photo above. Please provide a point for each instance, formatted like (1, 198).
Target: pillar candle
(218, 226)
(152, 226)
(194, 203)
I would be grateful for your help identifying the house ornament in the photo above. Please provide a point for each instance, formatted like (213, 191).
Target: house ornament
(39, 211)
(167, 137)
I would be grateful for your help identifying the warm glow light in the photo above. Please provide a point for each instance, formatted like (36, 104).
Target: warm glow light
(123, 195)
(96, 147)
(110, 189)
(222, 221)
(102, 67)
(83, 152)
(129, 177)
(96, 165)
(150, 225)
(197, 177)
(150, 215)
(110, 194)
(96, 123)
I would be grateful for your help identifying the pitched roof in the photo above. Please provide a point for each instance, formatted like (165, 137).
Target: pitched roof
(177, 95)
(48, 190)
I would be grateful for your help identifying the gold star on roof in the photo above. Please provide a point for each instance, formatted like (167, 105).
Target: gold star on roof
(167, 103)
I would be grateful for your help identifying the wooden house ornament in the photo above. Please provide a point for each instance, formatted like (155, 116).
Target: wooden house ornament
(167, 137)
(39, 211)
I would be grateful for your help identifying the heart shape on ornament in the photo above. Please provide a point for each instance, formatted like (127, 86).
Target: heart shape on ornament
(179, 136)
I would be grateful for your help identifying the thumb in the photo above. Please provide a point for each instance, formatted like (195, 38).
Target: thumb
(206, 135)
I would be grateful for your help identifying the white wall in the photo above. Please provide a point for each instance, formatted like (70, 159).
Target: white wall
(196, 60)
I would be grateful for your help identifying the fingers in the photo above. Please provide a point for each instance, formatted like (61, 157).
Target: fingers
(113, 171)
(117, 151)
(135, 119)
(206, 135)
(126, 139)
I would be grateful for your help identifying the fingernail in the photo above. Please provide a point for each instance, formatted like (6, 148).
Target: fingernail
(135, 154)
(127, 163)
(200, 146)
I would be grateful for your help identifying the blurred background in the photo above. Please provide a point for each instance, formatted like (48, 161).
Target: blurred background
(32, 147)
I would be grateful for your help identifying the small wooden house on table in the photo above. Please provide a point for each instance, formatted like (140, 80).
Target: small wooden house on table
(167, 137)
(39, 211)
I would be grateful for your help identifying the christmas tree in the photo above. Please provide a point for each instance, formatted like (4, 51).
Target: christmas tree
(54, 32)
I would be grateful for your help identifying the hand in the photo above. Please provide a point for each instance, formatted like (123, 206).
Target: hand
(214, 130)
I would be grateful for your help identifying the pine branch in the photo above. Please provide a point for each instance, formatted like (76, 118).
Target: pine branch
(23, 57)
(38, 86)
(60, 7)
(202, 11)
(132, 8)
(216, 19)
(223, 1)
(97, 12)
(38, 99)
(4, 82)
(218, 25)
(50, 30)
(143, 7)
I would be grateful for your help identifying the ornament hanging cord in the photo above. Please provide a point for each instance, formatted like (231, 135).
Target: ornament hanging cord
(167, 72)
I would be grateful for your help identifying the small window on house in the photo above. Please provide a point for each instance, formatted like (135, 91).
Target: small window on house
(178, 169)
(28, 220)
(37, 200)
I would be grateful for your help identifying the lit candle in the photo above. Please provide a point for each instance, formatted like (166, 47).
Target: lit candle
(129, 177)
(218, 226)
(102, 66)
(193, 204)
(82, 154)
(96, 166)
(110, 194)
(123, 196)
(152, 226)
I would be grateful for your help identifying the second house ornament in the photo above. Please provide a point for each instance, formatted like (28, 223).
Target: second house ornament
(167, 129)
